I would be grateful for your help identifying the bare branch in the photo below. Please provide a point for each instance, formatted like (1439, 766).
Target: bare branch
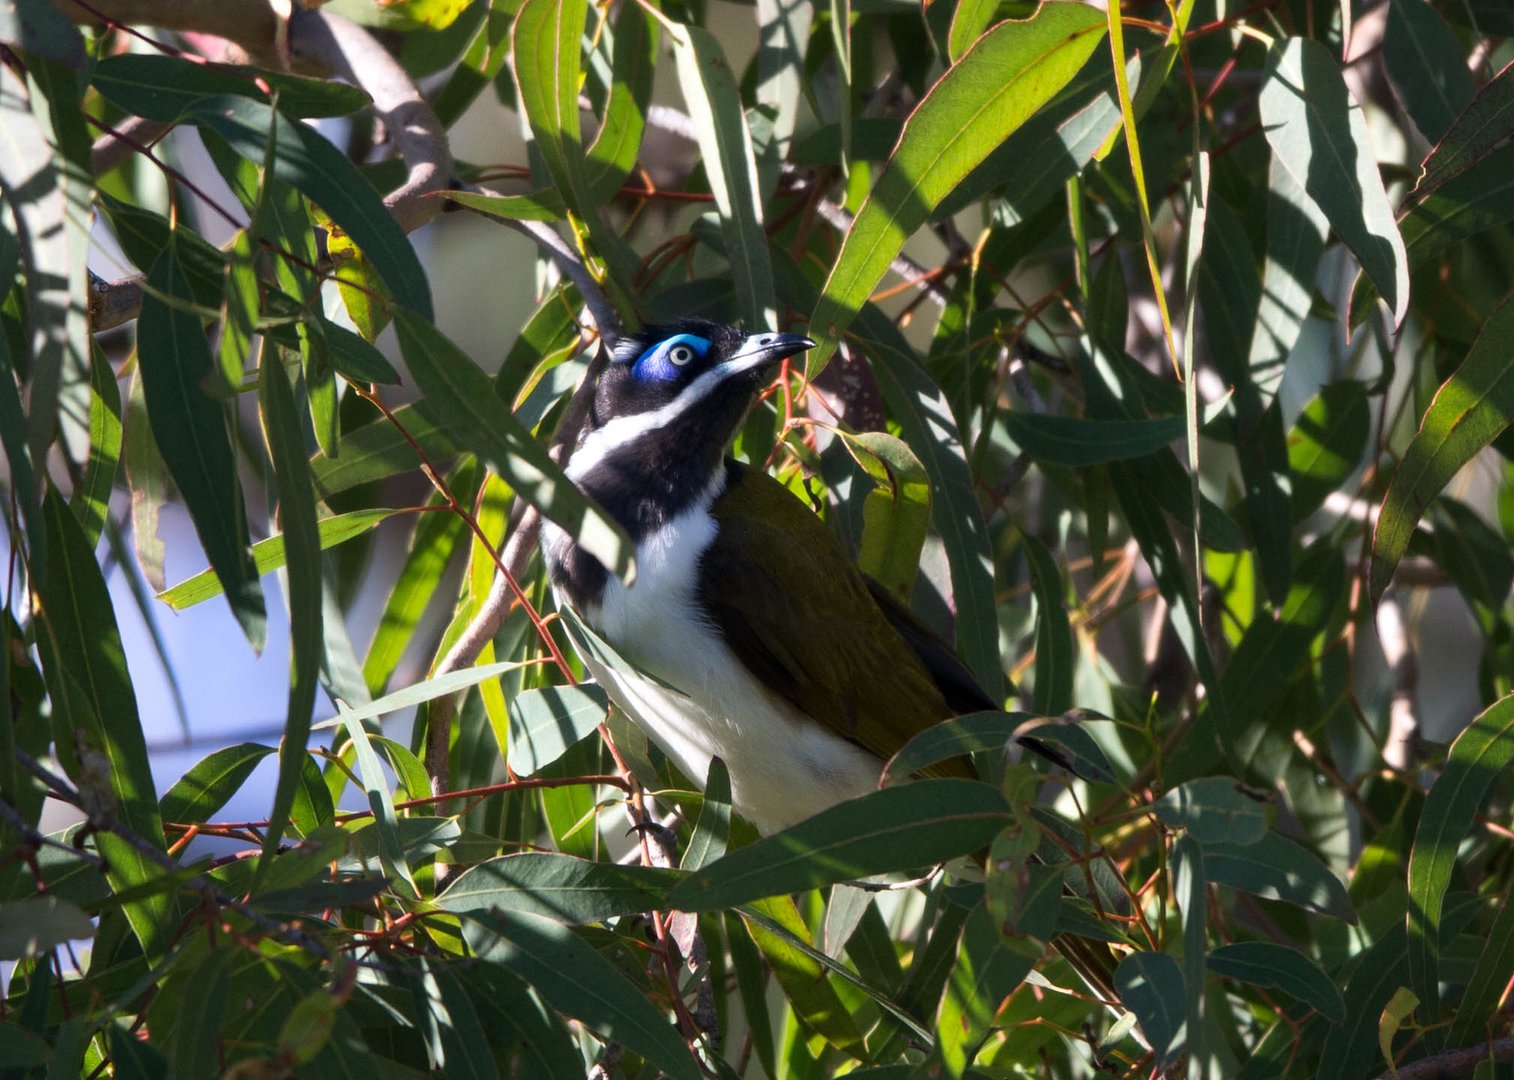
(113, 303)
(1452, 1063)
(111, 149)
(251, 25)
(340, 46)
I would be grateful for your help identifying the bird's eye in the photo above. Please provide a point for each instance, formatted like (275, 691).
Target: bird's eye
(680, 355)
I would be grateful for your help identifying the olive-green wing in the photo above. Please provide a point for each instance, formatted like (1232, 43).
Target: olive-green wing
(797, 611)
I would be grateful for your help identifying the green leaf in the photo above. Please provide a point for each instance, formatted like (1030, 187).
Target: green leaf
(1151, 986)
(546, 40)
(612, 155)
(1495, 965)
(544, 205)
(425, 690)
(1273, 649)
(575, 979)
(379, 450)
(194, 1040)
(268, 555)
(1476, 759)
(165, 88)
(303, 157)
(1190, 889)
(91, 501)
(1326, 443)
(1427, 67)
(35, 925)
(432, 544)
(1033, 165)
(284, 432)
(95, 715)
(38, 136)
(1216, 810)
(546, 721)
(1319, 134)
(454, 384)
(1399, 1009)
(22, 476)
(956, 737)
(1071, 440)
(898, 828)
(1476, 132)
(1056, 651)
(725, 143)
(41, 29)
(1379, 971)
(559, 887)
(1264, 963)
(989, 967)
(1469, 411)
(1296, 231)
(457, 1039)
(391, 849)
(996, 86)
(926, 422)
(1278, 869)
(712, 832)
(208, 786)
(896, 513)
(190, 428)
(515, 1017)
(782, 937)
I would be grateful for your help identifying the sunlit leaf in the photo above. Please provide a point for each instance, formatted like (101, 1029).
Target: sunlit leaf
(996, 86)
(1469, 411)
(1319, 134)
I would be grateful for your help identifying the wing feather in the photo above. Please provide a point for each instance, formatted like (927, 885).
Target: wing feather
(867, 669)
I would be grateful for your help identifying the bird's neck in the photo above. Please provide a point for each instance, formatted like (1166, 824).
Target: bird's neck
(644, 485)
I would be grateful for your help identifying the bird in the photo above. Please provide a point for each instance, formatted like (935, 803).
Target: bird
(750, 632)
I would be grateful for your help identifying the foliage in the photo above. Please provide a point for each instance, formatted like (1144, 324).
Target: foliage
(1164, 358)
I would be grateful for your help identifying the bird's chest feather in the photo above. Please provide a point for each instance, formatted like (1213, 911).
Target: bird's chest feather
(701, 702)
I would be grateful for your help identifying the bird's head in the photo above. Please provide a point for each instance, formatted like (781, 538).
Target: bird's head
(679, 390)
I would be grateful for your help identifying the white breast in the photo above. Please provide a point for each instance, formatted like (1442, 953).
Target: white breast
(783, 767)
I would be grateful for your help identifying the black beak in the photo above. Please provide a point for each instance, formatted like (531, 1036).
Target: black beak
(758, 352)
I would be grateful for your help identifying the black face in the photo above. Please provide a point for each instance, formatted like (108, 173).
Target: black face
(648, 370)
(665, 411)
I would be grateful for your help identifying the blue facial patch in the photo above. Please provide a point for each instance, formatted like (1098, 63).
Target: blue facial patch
(668, 359)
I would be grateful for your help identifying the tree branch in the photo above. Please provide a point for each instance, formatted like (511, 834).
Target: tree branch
(1451, 1063)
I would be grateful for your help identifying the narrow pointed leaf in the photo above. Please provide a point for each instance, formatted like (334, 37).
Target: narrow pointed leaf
(546, 721)
(559, 887)
(190, 428)
(1151, 986)
(284, 433)
(1485, 124)
(454, 385)
(1476, 759)
(1427, 66)
(714, 101)
(1319, 134)
(269, 555)
(321, 172)
(1279, 869)
(92, 693)
(1469, 411)
(212, 782)
(575, 979)
(1007, 75)
(898, 828)
(1264, 963)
